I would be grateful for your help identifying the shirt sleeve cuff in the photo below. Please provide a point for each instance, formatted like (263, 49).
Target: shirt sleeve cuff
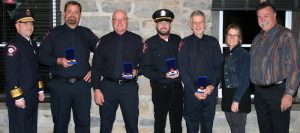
(290, 92)
(20, 99)
(236, 99)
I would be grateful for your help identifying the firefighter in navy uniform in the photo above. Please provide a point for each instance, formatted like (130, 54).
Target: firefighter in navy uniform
(167, 90)
(69, 84)
(199, 55)
(114, 49)
(23, 88)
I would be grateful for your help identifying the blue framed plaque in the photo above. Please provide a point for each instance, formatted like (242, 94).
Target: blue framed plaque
(70, 56)
(128, 69)
(171, 66)
(201, 84)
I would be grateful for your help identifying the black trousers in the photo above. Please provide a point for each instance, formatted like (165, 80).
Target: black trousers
(202, 115)
(267, 103)
(125, 95)
(66, 96)
(167, 98)
(22, 120)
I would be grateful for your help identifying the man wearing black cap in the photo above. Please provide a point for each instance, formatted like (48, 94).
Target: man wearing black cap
(66, 50)
(22, 93)
(159, 65)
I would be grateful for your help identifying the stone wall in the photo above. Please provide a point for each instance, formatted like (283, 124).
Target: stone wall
(96, 15)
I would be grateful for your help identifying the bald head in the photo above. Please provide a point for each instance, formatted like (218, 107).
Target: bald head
(120, 21)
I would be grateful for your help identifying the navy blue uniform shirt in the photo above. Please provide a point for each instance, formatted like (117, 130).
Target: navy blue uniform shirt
(156, 51)
(58, 40)
(21, 68)
(200, 57)
(112, 51)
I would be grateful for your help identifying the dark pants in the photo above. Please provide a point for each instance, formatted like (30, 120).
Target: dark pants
(22, 120)
(202, 115)
(267, 103)
(66, 96)
(167, 98)
(236, 121)
(125, 95)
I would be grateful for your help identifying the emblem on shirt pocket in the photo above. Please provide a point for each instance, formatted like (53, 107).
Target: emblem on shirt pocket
(11, 50)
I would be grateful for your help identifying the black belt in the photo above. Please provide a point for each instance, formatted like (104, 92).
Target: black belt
(119, 82)
(71, 80)
(273, 85)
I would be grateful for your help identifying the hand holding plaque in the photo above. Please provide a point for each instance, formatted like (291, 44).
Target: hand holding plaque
(70, 56)
(201, 84)
(128, 69)
(171, 66)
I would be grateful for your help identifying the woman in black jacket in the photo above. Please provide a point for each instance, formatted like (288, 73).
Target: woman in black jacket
(236, 102)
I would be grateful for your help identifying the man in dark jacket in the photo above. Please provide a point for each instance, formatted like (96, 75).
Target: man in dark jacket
(200, 61)
(22, 78)
(159, 65)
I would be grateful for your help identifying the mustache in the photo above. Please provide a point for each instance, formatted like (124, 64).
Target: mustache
(263, 23)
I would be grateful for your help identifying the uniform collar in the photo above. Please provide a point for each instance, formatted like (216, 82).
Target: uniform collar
(22, 37)
(157, 35)
(198, 37)
(68, 28)
(115, 33)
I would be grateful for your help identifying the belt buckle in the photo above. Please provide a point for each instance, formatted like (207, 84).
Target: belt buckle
(120, 82)
(72, 80)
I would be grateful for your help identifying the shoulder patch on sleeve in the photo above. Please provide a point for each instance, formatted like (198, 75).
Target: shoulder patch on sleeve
(181, 45)
(145, 48)
(11, 50)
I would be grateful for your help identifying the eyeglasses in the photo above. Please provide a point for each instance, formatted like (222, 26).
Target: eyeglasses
(119, 19)
(231, 36)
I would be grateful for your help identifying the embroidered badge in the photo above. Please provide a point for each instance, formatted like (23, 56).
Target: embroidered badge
(181, 44)
(11, 50)
(163, 13)
(27, 12)
(145, 47)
